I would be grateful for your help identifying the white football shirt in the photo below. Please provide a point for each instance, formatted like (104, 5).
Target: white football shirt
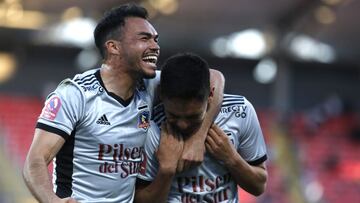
(211, 181)
(101, 157)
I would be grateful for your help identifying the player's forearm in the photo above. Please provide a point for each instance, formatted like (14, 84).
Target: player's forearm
(217, 83)
(251, 178)
(37, 179)
(157, 191)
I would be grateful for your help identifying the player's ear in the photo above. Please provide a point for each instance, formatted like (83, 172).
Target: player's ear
(211, 94)
(112, 47)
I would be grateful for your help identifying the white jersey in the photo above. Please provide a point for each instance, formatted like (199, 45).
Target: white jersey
(211, 181)
(104, 137)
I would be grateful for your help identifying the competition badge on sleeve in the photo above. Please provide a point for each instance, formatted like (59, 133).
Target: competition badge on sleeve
(51, 108)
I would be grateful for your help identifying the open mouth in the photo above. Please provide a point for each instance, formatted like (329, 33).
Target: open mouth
(151, 59)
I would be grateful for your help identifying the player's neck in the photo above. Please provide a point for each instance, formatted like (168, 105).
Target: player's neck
(118, 81)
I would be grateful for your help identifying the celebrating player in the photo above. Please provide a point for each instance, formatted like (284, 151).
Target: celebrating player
(235, 146)
(94, 125)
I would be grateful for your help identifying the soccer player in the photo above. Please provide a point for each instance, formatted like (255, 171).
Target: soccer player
(235, 146)
(94, 125)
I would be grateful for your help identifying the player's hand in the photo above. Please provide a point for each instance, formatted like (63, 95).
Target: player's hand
(66, 200)
(218, 144)
(193, 153)
(70, 200)
(170, 149)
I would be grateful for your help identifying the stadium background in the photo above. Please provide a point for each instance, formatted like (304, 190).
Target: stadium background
(308, 103)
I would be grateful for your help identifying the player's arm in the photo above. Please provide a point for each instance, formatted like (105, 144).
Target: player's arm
(43, 149)
(168, 154)
(252, 178)
(156, 191)
(194, 147)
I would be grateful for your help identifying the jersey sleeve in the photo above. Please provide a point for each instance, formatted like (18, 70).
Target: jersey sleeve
(62, 109)
(251, 142)
(152, 86)
(150, 164)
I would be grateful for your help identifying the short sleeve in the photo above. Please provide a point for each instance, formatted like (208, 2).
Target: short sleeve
(251, 142)
(150, 164)
(152, 86)
(62, 109)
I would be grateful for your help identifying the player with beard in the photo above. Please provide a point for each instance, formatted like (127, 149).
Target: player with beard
(93, 126)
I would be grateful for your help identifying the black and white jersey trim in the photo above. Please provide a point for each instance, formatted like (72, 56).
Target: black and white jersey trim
(158, 114)
(84, 79)
(48, 128)
(85, 82)
(89, 82)
(64, 168)
(258, 161)
(230, 100)
(142, 107)
(158, 108)
(160, 119)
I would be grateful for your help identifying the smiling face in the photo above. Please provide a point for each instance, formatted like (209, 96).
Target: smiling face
(185, 115)
(139, 47)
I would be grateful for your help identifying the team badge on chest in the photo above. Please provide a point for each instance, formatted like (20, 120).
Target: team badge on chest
(143, 121)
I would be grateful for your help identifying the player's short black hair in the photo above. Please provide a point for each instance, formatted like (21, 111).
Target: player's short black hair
(185, 76)
(109, 27)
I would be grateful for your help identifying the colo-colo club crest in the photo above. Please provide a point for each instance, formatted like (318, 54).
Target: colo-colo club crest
(144, 120)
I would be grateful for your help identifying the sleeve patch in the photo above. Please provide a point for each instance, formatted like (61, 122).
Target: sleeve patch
(51, 108)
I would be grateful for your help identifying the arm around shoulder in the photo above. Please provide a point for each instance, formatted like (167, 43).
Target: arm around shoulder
(194, 147)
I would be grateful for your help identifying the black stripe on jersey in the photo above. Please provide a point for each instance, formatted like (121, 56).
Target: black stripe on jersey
(233, 103)
(142, 107)
(232, 96)
(159, 119)
(158, 108)
(157, 114)
(90, 82)
(87, 81)
(64, 168)
(258, 161)
(84, 78)
(235, 99)
(51, 129)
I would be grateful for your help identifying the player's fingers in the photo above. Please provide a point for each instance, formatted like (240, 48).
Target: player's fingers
(69, 200)
(216, 128)
(219, 132)
(211, 133)
(210, 140)
(164, 129)
(208, 147)
(172, 132)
